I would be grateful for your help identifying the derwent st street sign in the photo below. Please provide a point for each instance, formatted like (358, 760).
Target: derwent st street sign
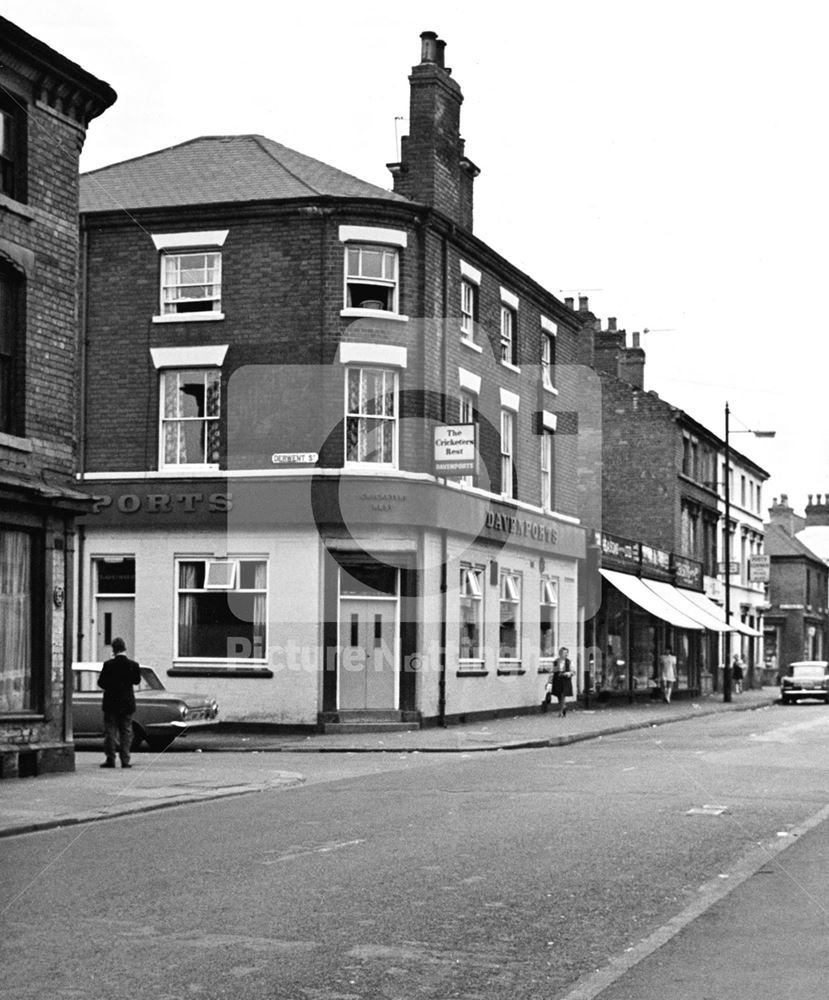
(455, 450)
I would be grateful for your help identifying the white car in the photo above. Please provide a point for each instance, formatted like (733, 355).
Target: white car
(805, 679)
(161, 716)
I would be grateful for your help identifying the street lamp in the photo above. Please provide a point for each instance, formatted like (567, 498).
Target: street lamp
(726, 678)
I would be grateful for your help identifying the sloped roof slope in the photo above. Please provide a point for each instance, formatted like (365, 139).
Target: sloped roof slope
(219, 169)
(778, 542)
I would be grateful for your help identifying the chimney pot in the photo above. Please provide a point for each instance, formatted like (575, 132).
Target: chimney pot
(441, 49)
(635, 339)
(428, 47)
(810, 499)
(611, 323)
(569, 302)
(583, 307)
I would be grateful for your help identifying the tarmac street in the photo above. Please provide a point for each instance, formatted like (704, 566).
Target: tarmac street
(639, 863)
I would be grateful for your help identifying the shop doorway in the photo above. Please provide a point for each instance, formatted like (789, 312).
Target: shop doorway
(369, 628)
(114, 582)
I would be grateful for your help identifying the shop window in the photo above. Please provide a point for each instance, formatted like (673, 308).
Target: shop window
(548, 619)
(227, 623)
(191, 282)
(17, 613)
(190, 411)
(13, 169)
(12, 289)
(371, 278)
(371, 416)
(471, 609)
(509, 640)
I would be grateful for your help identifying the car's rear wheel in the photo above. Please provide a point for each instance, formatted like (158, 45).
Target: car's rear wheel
(158, 744)
(785, 700)
(138, 736)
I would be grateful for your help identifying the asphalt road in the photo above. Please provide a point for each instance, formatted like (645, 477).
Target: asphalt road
(519, 875)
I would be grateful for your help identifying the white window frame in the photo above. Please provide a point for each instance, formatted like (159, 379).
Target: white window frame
(361, 416)
(235, 588)
(507, 452)
(389, 283)
(548, 599)
(548, 360)
(509, 322)
(472, 589)
(467, 407)
(169, 300)
(547, 480)
(469, 310)
(510, 595)
(165, 420)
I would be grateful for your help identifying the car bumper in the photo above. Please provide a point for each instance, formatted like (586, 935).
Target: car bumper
(174, 730)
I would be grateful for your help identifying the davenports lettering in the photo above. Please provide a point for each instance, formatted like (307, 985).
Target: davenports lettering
(165, 503)
(521, 526)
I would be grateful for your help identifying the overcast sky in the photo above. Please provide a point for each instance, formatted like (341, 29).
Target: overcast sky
(667, 160)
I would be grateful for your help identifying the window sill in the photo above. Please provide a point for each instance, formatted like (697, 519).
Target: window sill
(18, 207)
(219, 671)
(188, 469)
(511, 367)
(549, 388)
(353, 313)
(15, 443)
(203, 317)
(510, 668)
(472, 345)
(471, 671)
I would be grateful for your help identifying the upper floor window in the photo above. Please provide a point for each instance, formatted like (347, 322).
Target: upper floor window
(12, 147)
(11, 339)
(547, 478)
(371, 278)
(548, 359)
(469, 310)
(509, 346)
(507, 453)
(191, 282)
(467, 414)
(190, 411)
(371, 415)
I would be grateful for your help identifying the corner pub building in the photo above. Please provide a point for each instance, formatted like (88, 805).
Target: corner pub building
(272, 347)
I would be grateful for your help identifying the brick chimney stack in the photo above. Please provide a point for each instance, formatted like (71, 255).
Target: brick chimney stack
(433, 168)
(783, 515)
(817, 512)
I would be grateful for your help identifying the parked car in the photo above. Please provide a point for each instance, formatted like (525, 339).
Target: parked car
(805, 679)
(161, 716)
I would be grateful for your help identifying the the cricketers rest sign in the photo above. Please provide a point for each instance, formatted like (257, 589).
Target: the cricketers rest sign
(456, 450)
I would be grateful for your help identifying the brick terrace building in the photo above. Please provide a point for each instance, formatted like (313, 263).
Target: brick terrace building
(46, 104)
(797, 621)
(271, 345)
(659, 542)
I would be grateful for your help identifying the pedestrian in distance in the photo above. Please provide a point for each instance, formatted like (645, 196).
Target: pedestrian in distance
(667, 674)
(562, 680)
(737, 673)
(119, 675)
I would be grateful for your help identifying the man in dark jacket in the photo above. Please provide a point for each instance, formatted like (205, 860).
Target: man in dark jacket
(118, 677)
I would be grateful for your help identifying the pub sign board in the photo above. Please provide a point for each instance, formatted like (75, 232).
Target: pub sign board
(456, 450)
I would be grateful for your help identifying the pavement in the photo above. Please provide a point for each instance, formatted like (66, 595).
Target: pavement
(228, 761)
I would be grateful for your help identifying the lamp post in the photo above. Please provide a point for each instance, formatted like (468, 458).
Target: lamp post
(726, 677)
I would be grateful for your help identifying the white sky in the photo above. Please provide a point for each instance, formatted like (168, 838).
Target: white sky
(667, 160)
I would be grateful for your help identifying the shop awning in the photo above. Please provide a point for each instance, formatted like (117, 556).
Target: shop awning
(648, 600)
(744, 629)
(693, 604)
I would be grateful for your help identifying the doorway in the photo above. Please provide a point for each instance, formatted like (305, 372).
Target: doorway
(114, 582)
(368, 643)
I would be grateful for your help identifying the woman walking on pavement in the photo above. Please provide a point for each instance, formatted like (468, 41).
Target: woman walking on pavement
(562, 680)
(667, 673)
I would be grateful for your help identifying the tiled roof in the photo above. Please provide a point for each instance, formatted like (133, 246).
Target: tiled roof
(217, 169)
(778, 542)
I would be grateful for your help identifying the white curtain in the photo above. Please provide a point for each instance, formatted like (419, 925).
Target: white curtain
(15, 621)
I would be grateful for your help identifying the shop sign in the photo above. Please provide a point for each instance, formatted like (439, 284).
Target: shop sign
(455, 450)
(522, 527)
(688, 573)
(656, 558)
(733, 567)
(759, 569)
(712, 587)
(164, 503)
(619, 549)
